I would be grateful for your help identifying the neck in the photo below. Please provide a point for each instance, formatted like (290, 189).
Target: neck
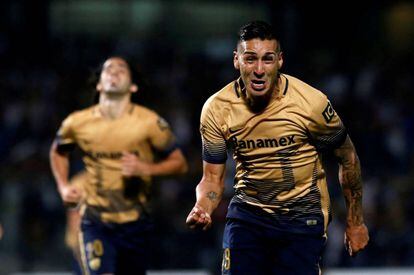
(113, 106)
(257, 104)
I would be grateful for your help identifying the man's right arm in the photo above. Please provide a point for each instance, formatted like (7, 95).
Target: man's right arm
(208, 193)
(59, 163)
(356, 233)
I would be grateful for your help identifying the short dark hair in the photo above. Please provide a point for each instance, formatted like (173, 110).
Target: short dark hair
(134, 70)
(258, 29)
(130, 62)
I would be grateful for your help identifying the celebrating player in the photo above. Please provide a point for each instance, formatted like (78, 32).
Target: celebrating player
(277, 127)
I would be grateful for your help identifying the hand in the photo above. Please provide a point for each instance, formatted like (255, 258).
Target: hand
(356, 238)
(70, 194)
(131, 165)
(198, 218)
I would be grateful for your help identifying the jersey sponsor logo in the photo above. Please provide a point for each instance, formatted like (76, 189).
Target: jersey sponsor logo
(263, 142)
(107, 155)
(328, 113)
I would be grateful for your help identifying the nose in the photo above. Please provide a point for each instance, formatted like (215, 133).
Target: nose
(259, 69)
(113, 73)
(112, 70)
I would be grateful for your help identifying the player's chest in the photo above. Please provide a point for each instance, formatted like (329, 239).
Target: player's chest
(278, 129)
(112, 135)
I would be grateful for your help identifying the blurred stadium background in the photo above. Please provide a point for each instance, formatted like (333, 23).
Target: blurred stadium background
(360, 55)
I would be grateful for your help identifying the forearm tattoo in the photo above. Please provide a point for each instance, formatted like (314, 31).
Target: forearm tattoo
(212, 196)
(351, 181)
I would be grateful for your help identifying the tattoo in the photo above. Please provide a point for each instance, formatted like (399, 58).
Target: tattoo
(351, 181)
(213, 196)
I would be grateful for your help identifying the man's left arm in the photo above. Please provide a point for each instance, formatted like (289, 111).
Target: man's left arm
(162, 140)
(356, 233)
(174, 163)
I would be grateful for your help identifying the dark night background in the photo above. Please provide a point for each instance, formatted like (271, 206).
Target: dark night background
(360, 55)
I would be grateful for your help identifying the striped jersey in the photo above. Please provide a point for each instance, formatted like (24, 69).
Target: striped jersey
(109, 196)
(279, 181)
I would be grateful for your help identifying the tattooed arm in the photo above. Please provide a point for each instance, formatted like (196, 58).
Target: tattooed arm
(356, 234)
(208, 192)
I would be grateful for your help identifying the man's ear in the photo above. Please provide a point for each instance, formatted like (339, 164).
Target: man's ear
(280, 60)
(133, 88)
(99, 87)
(236, 60)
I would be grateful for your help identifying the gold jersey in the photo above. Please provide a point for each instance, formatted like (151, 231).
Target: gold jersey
(279, 173)
(109, 196)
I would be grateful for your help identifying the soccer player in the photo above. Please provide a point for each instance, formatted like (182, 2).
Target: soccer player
(119, 140)
(277, 127)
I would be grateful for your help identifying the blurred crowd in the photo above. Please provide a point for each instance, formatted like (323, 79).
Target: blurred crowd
(364, 65)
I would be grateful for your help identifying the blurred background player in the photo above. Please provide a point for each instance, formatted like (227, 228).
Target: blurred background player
(278, 126)
(119, 140)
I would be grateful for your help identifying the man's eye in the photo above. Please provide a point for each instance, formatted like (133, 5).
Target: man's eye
(269, 59)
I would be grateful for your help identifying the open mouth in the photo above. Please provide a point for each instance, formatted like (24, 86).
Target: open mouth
(258, 85)
(113, 81)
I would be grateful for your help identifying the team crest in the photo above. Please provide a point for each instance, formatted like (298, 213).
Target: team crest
(328, 113)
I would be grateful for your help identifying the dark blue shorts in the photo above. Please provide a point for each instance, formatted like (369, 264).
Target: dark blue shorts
(251, 249)
(115, 248)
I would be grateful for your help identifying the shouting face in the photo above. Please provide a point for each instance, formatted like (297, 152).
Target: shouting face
(258, 62)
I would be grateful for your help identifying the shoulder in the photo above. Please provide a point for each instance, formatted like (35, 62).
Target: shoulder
(303, 89)
(146, 115)
(79, 116)
(224, 97)
(150, 121)
(140, 110)
(304, 94)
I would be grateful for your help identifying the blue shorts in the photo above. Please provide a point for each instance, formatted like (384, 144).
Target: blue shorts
(251, 249)
(115, 248)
